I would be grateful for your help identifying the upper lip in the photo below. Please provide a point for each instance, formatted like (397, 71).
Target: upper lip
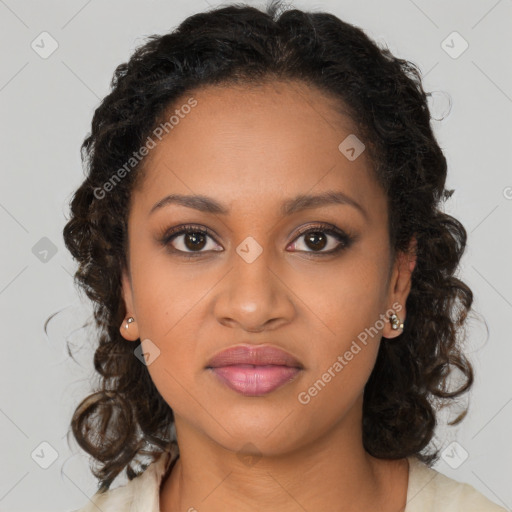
(259, 355)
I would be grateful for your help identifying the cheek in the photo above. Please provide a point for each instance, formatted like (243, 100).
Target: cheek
(177, 363)
(346, 299)
(345, 324)
(346, 348)
(166, 292)
(170, 303)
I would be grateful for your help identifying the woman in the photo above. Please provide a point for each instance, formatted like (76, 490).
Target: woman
(273, 279)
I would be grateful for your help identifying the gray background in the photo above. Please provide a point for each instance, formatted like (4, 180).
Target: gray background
(46, 109)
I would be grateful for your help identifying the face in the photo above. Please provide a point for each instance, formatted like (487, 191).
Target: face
(316, 279)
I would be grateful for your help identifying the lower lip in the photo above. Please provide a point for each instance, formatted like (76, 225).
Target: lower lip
(251, 380)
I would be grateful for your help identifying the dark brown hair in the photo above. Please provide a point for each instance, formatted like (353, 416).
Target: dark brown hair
(126, 417)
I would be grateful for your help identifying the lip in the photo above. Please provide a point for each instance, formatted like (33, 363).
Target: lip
(254, 371)
(255, 380)
(261, 355)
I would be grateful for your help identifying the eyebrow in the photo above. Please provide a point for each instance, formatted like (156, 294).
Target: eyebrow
(288, 207)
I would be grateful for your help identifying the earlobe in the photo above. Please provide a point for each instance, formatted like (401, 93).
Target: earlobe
(128, 329)
(401, 286)
(395, 321)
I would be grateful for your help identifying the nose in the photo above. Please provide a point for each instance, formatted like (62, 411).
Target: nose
(254, 296)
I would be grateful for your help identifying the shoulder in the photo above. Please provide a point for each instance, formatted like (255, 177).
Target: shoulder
(429, 490)
(142, 494)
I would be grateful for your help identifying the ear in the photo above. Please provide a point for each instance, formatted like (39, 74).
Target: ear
(400, 286)
(130, 333)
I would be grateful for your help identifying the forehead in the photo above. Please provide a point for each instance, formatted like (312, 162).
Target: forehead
(253, 143)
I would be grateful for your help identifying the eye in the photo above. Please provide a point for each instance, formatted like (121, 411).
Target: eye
(323, 239)
(193, 240)
(189, 239)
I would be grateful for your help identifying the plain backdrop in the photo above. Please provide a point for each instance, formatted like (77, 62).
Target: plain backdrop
(47, 103)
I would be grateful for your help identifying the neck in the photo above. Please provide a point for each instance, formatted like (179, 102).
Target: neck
(333, 472)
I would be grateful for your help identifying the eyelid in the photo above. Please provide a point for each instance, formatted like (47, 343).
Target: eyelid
(196, 228)
(320, 226)
(344, 238)
(183, 229)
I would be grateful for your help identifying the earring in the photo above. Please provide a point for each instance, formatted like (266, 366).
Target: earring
(395, 322)
(129, 321)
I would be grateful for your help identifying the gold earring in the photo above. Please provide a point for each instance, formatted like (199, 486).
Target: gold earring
(395, 322)
(129, 320)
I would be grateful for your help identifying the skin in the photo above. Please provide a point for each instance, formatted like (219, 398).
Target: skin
(251, 149)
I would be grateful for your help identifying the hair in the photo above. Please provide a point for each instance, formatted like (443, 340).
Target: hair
(126, 417)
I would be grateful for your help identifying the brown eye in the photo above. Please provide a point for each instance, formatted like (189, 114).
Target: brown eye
(316, 240)
(189, 240)
(194, 241)
(324, 239)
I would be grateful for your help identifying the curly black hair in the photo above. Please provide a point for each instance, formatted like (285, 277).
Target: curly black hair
(126, 417)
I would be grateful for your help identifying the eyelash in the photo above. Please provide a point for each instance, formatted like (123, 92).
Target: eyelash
(345, 239)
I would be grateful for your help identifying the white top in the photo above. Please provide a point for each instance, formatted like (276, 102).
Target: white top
(428, 491)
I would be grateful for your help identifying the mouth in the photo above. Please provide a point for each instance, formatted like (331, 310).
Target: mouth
(252, 380)
(254, 370)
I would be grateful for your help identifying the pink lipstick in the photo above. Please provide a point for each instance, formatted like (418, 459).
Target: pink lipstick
(254, 370)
